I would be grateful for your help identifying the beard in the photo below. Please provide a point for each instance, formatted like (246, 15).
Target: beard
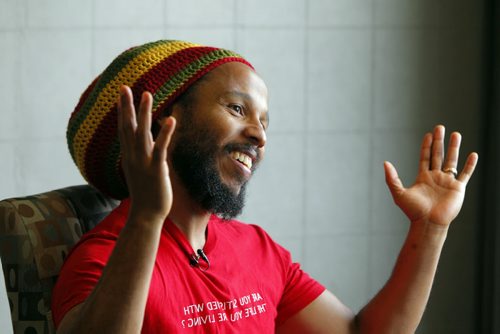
(193, 159)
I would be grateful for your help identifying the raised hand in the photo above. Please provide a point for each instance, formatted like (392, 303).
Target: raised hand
(438, 192)
(144, 160)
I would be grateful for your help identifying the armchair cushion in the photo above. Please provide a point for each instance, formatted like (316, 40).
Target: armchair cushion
(36, 234)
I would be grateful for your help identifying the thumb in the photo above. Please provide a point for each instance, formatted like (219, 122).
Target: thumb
(392, 179)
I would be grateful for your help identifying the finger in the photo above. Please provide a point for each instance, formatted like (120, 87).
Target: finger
(453, 151)
(163, 139)
(469, 167)
(144, 120)
(128, 122)
(437, 148)
(392, 179)
(425, 153)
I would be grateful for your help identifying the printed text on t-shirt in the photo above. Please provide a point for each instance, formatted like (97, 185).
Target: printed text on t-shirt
(233, 310)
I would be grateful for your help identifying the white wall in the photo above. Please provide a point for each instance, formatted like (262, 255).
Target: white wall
(352, 83)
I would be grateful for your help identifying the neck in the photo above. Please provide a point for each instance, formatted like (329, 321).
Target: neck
(187, 215)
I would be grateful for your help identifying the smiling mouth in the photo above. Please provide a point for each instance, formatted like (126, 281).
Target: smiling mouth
(243, 159)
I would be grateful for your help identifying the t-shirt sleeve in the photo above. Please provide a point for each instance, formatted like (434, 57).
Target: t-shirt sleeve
(80, 274)
(300, 290)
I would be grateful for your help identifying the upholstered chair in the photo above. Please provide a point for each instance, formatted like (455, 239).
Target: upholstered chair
(36, 234)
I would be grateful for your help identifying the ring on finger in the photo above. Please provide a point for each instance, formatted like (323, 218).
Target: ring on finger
(451, 170)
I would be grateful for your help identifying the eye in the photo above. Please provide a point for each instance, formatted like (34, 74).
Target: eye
(236, 108)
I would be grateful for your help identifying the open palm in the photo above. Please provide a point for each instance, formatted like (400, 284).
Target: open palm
(437, 194)
(144, 158)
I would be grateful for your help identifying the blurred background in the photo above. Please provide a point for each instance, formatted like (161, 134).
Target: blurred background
(352, 83)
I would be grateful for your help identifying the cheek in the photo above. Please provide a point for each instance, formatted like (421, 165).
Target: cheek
(219, 125)
(225, 128)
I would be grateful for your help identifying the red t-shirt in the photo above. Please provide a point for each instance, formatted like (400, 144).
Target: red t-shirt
(251, 286)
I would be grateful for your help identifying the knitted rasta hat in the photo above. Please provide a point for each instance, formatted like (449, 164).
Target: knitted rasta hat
(165, 69)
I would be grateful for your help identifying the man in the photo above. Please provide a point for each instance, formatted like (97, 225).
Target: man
(165, 261)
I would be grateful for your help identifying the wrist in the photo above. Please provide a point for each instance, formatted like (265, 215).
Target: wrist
(429, 230)
(151, 209)
(142, 217)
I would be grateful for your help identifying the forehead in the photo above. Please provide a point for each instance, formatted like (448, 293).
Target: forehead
(237, 78)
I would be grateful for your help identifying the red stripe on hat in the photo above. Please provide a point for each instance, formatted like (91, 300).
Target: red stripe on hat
(196, 77)
(157, 76)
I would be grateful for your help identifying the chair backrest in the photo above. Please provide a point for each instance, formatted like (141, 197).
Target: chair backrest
(36, 234)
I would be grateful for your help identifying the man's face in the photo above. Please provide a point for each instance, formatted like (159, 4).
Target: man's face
(221, 137)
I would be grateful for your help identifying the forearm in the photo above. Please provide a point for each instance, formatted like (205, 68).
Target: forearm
(400, 304)
(118, 302)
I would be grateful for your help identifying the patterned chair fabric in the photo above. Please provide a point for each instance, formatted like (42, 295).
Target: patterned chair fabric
(36, 234)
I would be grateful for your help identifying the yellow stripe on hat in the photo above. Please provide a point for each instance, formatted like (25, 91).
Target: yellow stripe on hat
(109, 94)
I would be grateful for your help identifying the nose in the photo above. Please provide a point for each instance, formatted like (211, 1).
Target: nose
(256, 133)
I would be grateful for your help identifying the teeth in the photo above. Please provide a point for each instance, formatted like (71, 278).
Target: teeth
(243, 158)
(248, 162)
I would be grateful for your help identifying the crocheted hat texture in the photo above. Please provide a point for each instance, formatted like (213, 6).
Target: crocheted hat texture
(165, 69)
